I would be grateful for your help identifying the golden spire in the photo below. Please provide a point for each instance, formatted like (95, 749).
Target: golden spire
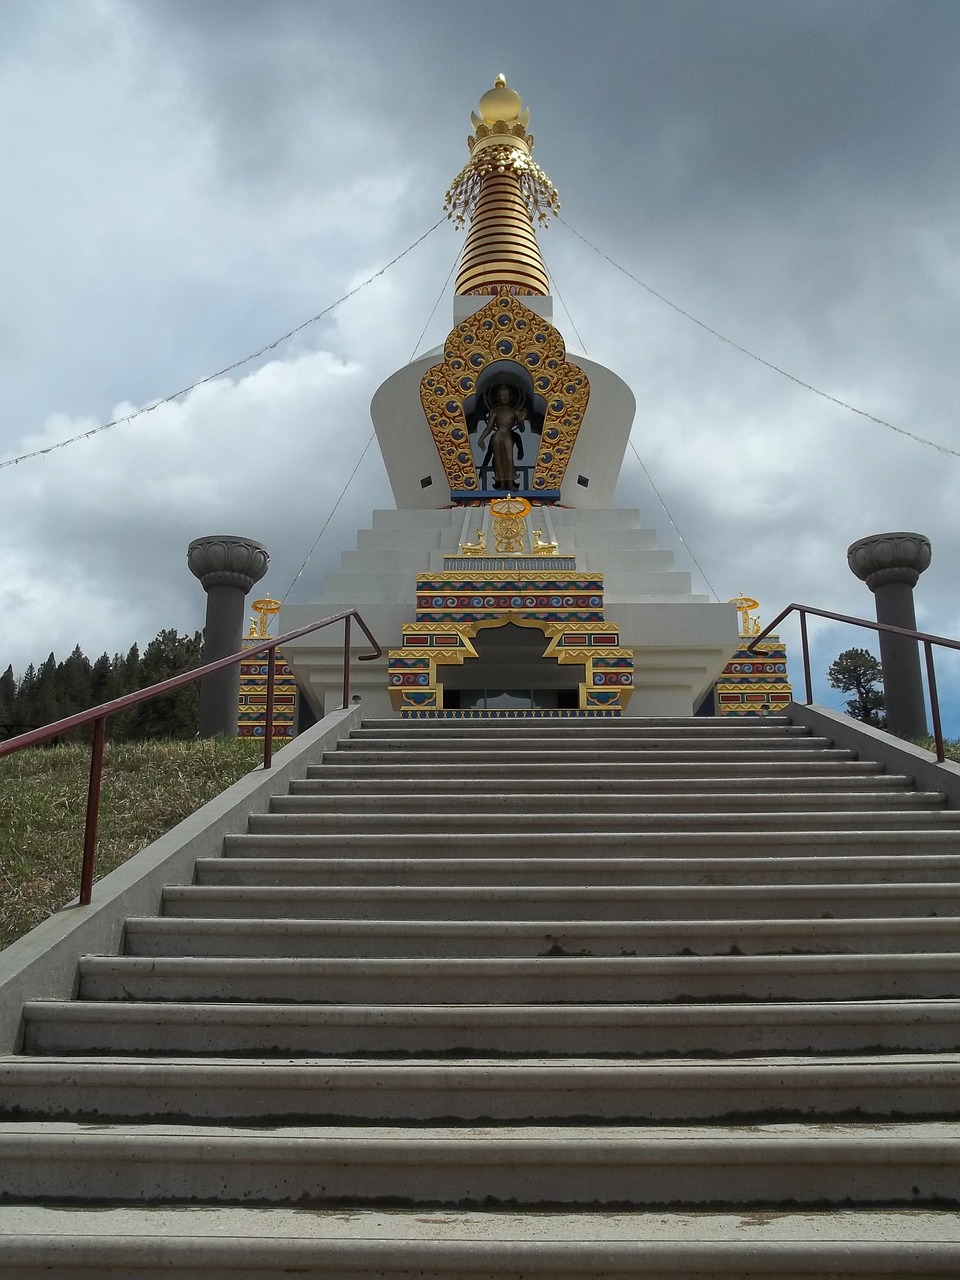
(501, 189)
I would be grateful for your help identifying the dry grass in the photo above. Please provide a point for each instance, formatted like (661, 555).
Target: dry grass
(148, 787)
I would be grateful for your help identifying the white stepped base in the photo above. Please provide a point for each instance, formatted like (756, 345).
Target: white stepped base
(210, 1243)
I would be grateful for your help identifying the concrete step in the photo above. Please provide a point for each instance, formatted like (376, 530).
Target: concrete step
(645, 764)
(558, 975)
(573, 732)
(549, 902)
(545, 750)
(284, 837)
(477, 801)
(611, 728)
(296, 814)
(437, 1091)
(374, 784)
(569, 763)
(889, 1164)
(146, 1242)
(849, 869)
(424, 1030)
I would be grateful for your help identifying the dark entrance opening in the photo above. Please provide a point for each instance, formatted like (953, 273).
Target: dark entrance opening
(511, 671)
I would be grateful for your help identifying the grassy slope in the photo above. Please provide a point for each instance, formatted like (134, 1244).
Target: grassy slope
(148, 787)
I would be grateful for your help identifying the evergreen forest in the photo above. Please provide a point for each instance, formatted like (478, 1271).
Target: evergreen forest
(57, 689)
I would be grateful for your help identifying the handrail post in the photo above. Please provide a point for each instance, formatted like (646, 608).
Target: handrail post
(93, 812)
(268, 710)
(806, 656)
(346, 662)
(934, 701)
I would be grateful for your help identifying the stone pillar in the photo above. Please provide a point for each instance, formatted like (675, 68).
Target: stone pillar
(227, 568)
(890, 564)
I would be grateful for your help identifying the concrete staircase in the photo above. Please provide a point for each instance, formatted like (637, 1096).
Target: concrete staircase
(478, 999)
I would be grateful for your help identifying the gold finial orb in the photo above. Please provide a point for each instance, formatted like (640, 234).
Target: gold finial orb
(500, 103)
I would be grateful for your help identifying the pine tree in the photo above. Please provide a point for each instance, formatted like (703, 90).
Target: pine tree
(858, 672)
(8, 691)
(174, 715)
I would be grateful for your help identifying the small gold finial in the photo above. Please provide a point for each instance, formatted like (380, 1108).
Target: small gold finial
(500, 81)
(260, 623)
(749, 626)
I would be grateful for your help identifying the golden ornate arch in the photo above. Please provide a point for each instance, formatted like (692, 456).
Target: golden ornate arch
(504, 330)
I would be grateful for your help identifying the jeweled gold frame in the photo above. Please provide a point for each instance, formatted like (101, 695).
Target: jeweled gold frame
(504, 330)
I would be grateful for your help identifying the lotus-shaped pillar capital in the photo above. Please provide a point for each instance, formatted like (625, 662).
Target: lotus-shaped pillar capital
(223, 560)
(882, 558)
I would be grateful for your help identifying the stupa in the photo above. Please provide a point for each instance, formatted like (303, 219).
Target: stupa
(506, 584)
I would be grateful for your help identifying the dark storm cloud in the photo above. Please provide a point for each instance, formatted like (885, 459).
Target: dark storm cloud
(185, 181)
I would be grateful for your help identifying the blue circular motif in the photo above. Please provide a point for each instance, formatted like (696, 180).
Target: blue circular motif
(595, 602)
(477, 602)
(424, 679)
(556, 601)
(438, 602)
(515, 602)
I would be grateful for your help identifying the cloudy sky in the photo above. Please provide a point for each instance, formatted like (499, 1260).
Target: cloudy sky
(186, 180)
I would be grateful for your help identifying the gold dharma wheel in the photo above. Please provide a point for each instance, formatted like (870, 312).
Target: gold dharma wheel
(509, 523)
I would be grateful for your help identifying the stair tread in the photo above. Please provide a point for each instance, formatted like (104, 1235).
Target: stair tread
(635, 1230)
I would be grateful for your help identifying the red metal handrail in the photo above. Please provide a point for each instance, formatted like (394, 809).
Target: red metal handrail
(924, 637)
(97, 716)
